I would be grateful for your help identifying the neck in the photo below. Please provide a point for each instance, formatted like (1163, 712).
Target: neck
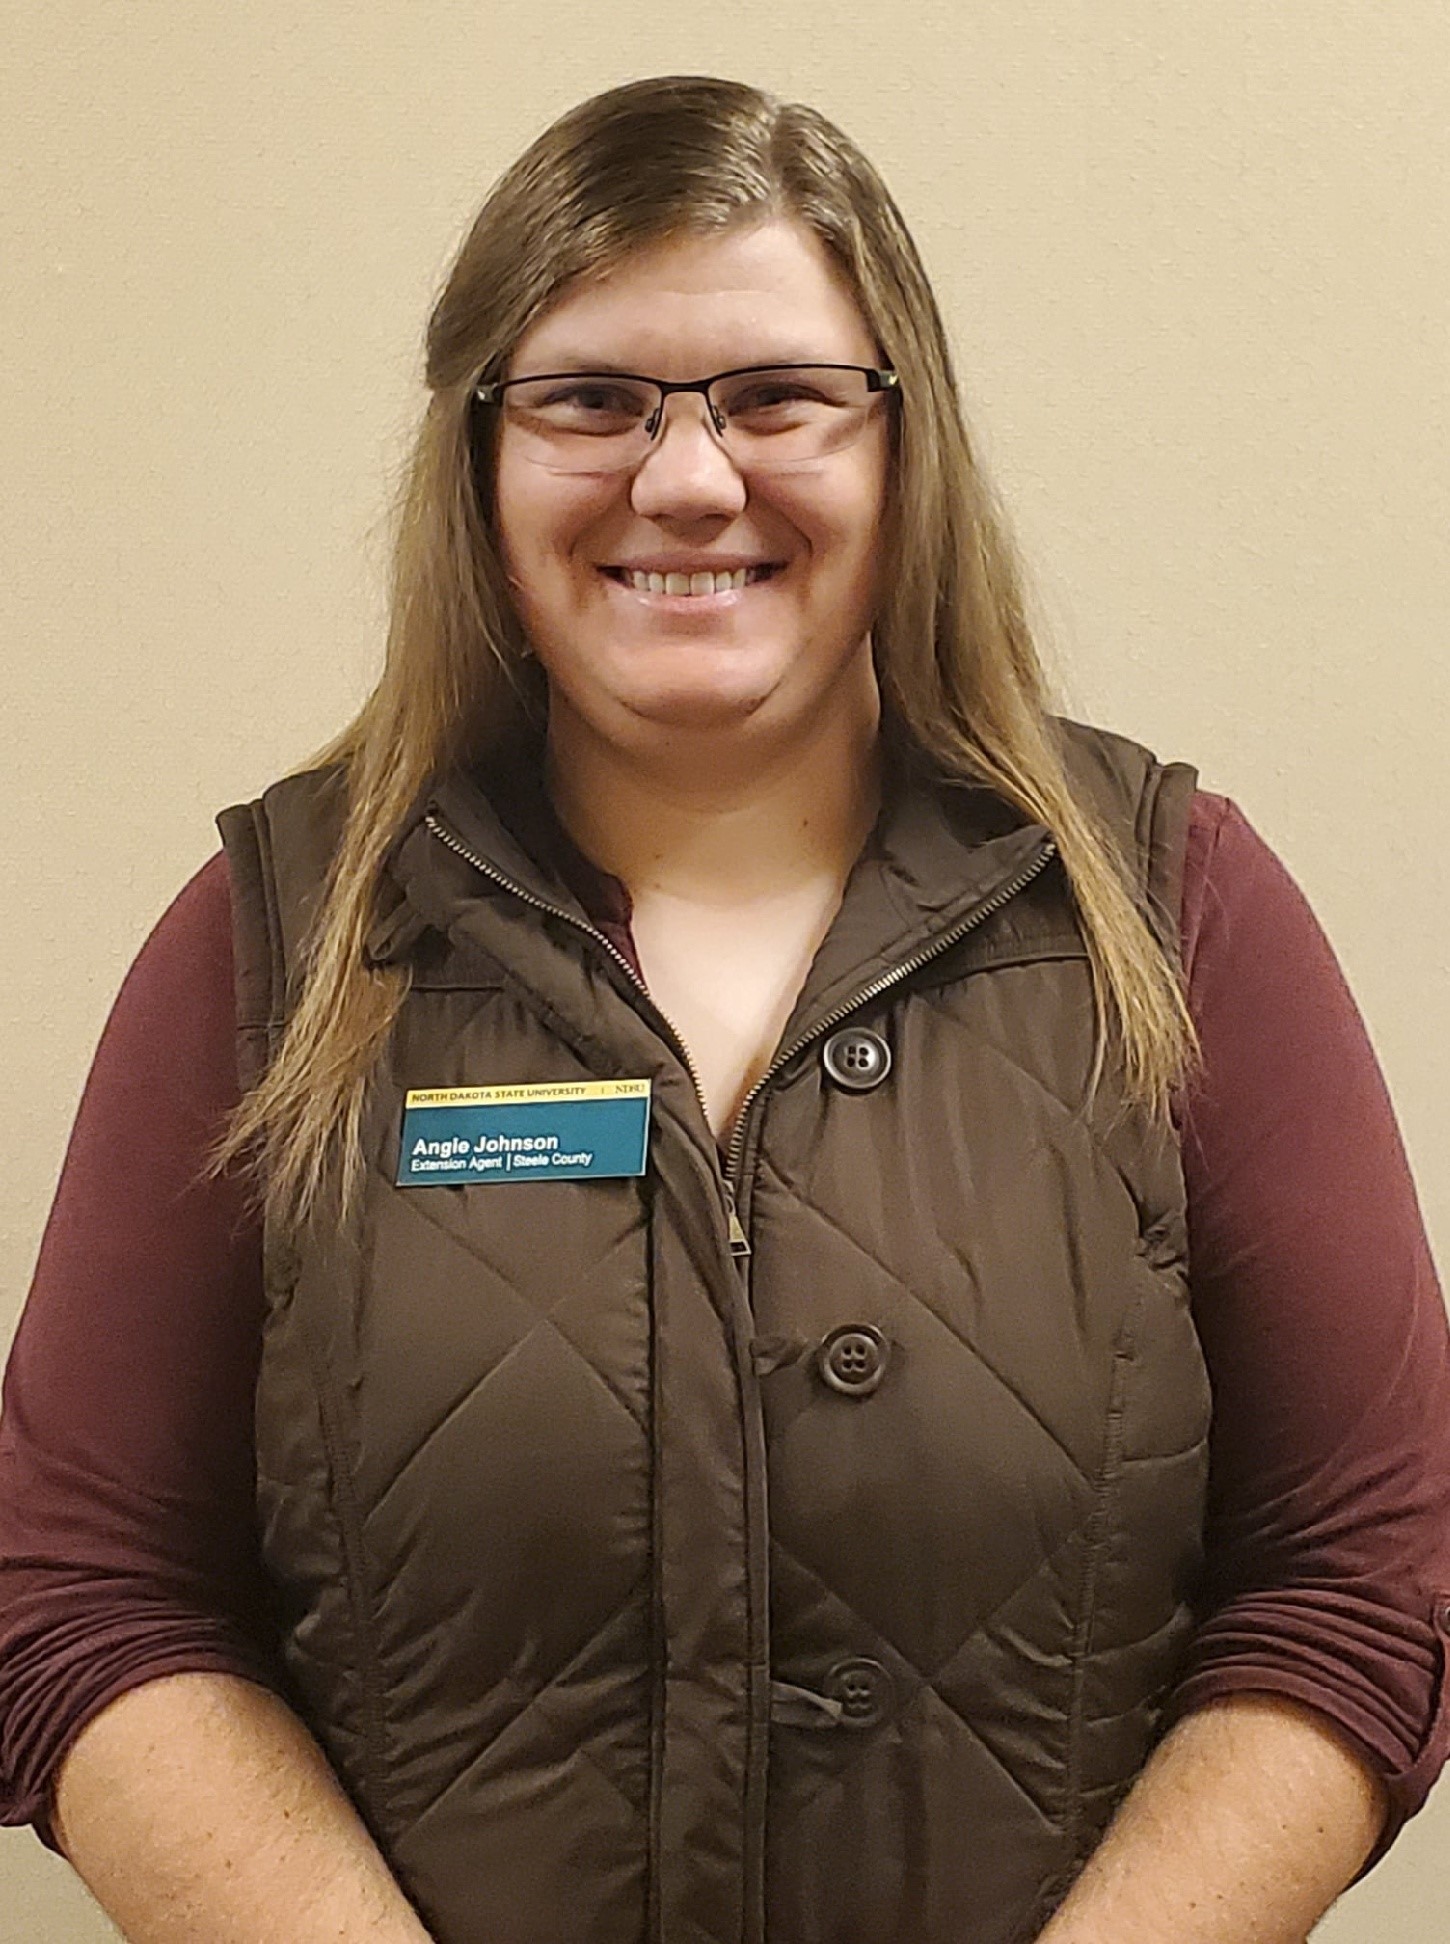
(720, 825)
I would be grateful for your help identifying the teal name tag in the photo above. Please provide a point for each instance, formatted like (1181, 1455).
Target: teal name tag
(555, 1131)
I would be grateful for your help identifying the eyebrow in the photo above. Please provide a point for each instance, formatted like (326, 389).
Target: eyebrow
(575, 361)
(572, 361)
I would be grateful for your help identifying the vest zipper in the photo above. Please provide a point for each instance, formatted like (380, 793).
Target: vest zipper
(978, 915)
(445, 836)
(739, 1240)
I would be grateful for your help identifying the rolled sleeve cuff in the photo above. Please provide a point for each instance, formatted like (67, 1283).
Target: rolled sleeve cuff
(1384, 1690)
(51, 1689)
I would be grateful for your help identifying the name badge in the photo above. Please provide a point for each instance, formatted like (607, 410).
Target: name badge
(555, 1131)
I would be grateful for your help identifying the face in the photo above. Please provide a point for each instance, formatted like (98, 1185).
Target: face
(783, 649)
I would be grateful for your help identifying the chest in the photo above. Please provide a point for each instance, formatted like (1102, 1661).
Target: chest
(727, 977)
(997, 1243)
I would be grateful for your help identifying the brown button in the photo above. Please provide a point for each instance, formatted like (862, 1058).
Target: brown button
(852, 1360)
(856, 1059)
(863, 1688)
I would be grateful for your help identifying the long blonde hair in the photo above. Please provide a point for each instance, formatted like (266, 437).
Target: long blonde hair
(959, 674)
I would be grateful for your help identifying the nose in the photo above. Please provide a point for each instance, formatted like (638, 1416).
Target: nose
(687, 473)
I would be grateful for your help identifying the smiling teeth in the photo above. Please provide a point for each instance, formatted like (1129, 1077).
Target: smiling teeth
(694, 583)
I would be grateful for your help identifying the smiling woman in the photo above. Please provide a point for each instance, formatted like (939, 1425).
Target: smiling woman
(647, 1379)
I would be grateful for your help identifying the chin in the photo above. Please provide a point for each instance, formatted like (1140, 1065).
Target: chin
(695, 710)
(699, 692)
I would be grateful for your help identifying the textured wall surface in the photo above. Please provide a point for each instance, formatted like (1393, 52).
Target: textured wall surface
(1197, 268)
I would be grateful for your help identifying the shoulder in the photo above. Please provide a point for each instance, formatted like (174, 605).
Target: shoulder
(1284, 1045)
(293, 828)
(190, 943)
(1240, 898)
(279, 850)
(1144, 804)
(1102, 762)
(171, 1029)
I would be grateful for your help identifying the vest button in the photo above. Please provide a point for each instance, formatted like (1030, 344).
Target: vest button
(852, 1360)
(863, 1688)
(856, 1059)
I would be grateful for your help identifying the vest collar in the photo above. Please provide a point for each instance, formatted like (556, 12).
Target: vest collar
(940, 853)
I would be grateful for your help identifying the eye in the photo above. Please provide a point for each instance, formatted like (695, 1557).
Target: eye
(786, 398)
(590, 403)
(593, 397)
(767, 392)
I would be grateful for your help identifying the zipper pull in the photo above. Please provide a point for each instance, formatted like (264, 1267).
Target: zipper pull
(739, 1240)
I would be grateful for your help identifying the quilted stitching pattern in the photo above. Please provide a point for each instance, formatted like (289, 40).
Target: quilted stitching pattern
(913, 1685)
(515, 1319)
(951, 1326)
(1003, 1317)
(962, 1523)
(471, 1339)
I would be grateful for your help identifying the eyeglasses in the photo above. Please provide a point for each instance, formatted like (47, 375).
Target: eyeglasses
(763, 415)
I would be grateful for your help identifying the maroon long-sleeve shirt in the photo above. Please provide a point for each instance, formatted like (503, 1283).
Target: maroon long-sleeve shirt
(127, 1531)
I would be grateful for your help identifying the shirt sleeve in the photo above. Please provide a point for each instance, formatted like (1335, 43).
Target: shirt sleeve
(127, 1525)
(1328, 1533)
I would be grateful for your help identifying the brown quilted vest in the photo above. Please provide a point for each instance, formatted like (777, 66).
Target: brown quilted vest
(642, 1589)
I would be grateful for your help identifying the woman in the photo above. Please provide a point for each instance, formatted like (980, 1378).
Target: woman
(711, 1434)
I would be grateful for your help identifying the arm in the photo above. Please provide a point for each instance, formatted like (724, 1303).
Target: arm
(1327, 1543)
(141, 1709)
(1311, 1717)
(198, 1806)
(1245, 1826)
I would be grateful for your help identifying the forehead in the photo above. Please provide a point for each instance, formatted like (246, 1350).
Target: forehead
(764, 295)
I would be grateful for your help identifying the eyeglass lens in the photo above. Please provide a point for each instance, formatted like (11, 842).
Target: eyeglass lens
(599, 422)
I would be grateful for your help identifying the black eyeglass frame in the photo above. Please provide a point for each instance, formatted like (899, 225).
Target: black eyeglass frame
(878, 379)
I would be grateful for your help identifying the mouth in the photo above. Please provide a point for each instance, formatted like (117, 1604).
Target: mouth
(706, 590)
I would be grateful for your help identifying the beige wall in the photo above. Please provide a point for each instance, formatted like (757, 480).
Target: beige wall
(1197, 265)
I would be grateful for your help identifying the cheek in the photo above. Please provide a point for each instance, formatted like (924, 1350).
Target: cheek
(840, 516)
(870, 484)
(541, 522)
(524, 513)
(510, 513)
